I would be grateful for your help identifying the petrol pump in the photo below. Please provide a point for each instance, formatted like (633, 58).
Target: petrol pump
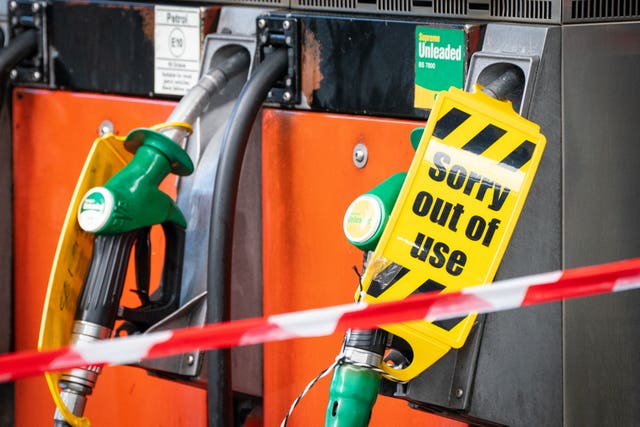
(324, 108)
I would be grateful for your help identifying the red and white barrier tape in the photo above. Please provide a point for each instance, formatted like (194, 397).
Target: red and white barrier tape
(501, 295)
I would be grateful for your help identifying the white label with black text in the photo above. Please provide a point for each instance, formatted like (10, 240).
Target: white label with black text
(177, 49)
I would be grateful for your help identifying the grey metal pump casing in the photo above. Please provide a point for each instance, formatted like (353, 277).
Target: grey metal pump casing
(572, 363)
(4, 24)
(236, 28)
(532, 11)
(547, 365)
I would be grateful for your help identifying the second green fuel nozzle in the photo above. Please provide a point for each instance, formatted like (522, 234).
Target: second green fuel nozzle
(356, 380)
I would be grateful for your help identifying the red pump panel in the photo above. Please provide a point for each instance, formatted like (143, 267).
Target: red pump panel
(309, 180)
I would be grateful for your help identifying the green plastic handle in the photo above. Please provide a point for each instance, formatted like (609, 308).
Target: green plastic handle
(131, 199)
(352, 394)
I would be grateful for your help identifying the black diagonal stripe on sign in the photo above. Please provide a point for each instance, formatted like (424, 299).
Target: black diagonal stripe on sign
(520, 156)
(433, 286)
(429, 286)
(484, 139)
(449, 122)
(386, 278)
(448, 324)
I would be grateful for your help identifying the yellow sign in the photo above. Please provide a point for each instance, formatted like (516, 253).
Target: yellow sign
(455, 214)
(71, 262)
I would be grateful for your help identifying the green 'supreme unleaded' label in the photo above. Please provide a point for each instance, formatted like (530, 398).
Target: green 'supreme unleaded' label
(440, 58)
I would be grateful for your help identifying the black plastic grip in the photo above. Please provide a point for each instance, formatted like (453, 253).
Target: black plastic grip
(166, 298)
(104, 282)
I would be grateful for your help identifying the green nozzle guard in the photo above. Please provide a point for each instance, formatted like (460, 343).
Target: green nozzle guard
(416, 137)
(352, 394)
(131, 199)
(179, 160)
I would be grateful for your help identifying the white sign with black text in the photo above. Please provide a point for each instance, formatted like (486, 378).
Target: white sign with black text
(177, 49)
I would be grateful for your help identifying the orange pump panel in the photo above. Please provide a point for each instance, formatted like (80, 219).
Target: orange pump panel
(53, 132)
(309, 180)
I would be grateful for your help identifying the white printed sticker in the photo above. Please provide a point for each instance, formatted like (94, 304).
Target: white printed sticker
(177, 49)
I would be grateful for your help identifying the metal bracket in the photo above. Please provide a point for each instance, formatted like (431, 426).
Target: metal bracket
(23, 16)
(281, 32)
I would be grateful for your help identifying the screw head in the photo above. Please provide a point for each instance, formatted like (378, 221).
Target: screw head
(288, 81)
(105, 127)
(36, 75)
(286, 25)
(286, 96)
(288, 40)
(190, 360)
(360, 155)
(459, 393)
(262, 23)
(13, 5)
(13, 74)
(35, 7)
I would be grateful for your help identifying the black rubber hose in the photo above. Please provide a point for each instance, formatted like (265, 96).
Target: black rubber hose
(234, 144)
(20, 47)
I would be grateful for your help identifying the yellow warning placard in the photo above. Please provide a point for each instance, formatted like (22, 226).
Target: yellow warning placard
(455, 214)
(107, 156)
(71, 262)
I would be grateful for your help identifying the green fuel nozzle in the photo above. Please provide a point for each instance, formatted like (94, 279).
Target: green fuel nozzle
(356, 380)
(121, 214)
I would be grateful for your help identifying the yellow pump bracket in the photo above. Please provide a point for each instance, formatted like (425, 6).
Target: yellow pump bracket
(73, 253)
(455, 214)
